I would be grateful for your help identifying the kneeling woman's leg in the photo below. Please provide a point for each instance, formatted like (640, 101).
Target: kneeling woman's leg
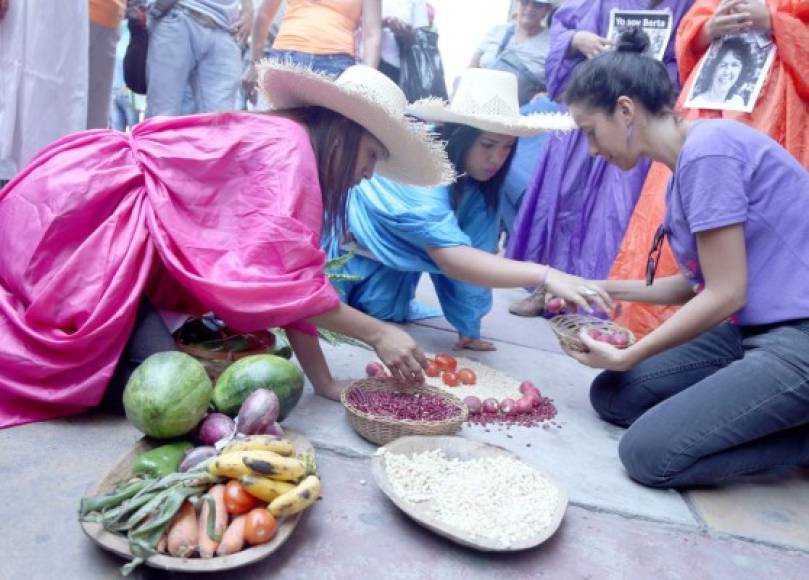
(622, 397)
(149, 336)
(751, 417)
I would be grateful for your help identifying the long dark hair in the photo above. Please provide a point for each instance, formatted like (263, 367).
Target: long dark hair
(597, 83)
(336, 142)
(459, 140)
(741, 50)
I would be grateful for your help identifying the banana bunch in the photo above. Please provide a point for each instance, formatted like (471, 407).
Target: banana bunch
(267, 468)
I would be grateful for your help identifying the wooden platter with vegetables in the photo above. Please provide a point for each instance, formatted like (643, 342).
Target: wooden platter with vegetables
(167, 522)
(233, 499)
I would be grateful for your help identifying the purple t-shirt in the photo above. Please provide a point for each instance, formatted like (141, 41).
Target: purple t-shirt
(728, 173)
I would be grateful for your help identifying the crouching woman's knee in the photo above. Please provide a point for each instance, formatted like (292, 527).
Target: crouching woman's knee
(608, 398)
(646, 456)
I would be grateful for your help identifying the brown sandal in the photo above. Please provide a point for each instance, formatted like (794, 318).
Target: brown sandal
(532, 305)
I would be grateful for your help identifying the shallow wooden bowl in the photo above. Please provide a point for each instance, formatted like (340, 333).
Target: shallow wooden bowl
(464, 449)
(118, 543)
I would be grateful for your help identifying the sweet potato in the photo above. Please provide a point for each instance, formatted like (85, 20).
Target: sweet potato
(233, 539)
(182, 540)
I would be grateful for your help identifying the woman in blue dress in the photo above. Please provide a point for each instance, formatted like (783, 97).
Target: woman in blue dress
(398, 232)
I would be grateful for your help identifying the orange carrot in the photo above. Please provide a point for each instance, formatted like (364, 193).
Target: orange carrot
(208, 544)
(233, 539)
(182, 532)
(162, 544)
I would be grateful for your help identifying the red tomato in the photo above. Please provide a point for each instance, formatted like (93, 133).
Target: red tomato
(432, 370)
(450, 379)
(467, 376)
(259, 526)
(237, 500)
(446, 362)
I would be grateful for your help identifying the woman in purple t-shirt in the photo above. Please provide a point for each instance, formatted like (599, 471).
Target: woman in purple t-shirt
(721, 389)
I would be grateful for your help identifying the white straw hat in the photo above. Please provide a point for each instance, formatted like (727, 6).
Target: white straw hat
(371, 100)
(487, 100)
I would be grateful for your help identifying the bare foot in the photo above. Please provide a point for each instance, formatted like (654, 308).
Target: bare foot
(532, 305)
(333, 389)
(464, 342)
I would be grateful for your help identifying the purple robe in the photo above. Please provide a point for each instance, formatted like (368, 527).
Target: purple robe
(577, 208)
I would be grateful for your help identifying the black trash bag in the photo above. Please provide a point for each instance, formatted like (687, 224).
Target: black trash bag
(422, 71)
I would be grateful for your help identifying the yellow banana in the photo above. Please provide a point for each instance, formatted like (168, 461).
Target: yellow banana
(261, 443)
(298, 499)
(264, 488)
(273, 465)
(230, 465)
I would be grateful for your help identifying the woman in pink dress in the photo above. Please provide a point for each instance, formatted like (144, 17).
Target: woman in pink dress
(218, 212)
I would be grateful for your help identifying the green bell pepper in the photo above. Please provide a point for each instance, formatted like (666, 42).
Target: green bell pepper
(161, 461)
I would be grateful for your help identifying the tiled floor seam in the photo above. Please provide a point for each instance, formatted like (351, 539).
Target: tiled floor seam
(698, 529)
(493, 339)
(689, 502)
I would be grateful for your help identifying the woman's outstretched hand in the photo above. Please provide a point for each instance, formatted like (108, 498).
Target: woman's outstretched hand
(577, 291)
(400, 353)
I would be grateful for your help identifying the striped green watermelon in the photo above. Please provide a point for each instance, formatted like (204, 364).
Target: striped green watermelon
(167, 395)
(260, 371)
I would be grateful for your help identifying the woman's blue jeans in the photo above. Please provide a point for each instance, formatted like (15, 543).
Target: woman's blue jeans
(732, 402)
(329, 64)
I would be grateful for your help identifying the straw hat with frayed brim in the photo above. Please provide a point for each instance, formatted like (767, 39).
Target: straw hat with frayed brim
(487, 100)
(374, 102)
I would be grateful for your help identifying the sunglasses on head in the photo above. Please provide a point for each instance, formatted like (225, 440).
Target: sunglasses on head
(533, 3)
(654, 254)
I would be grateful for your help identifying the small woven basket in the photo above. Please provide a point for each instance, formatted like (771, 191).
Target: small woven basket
(382, 430)
(567, 328)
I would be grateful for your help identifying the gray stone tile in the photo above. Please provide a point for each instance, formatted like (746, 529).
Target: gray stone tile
(775, 510)
(499, 324)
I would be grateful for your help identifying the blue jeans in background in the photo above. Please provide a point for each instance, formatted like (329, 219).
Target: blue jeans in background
(329, 64)
(732, 402)
(123, 115)
(183, 50)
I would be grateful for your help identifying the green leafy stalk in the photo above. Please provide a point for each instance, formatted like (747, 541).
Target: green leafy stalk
(211, 522)
(102, 502)
(144, 537)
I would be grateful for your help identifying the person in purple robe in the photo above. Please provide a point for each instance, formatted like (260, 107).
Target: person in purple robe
(576, 210)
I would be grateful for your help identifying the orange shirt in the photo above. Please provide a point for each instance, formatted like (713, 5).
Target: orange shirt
(324, 27)
(108, 13)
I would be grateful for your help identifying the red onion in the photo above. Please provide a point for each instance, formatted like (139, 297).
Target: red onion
(273, 428)
(195, 456)
(473, 404)
(554, 306)
(528, 387)
(618, 339)
(507, 406)
(214, 427)
(375, 369)
(258, 412)
(491, 406)
(536, 417)
(523, 405)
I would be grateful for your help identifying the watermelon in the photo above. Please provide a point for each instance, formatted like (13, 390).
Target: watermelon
(259, 371)
(167, 395)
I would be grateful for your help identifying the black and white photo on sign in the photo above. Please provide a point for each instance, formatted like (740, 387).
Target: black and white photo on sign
(655, 23)
(732, 73)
